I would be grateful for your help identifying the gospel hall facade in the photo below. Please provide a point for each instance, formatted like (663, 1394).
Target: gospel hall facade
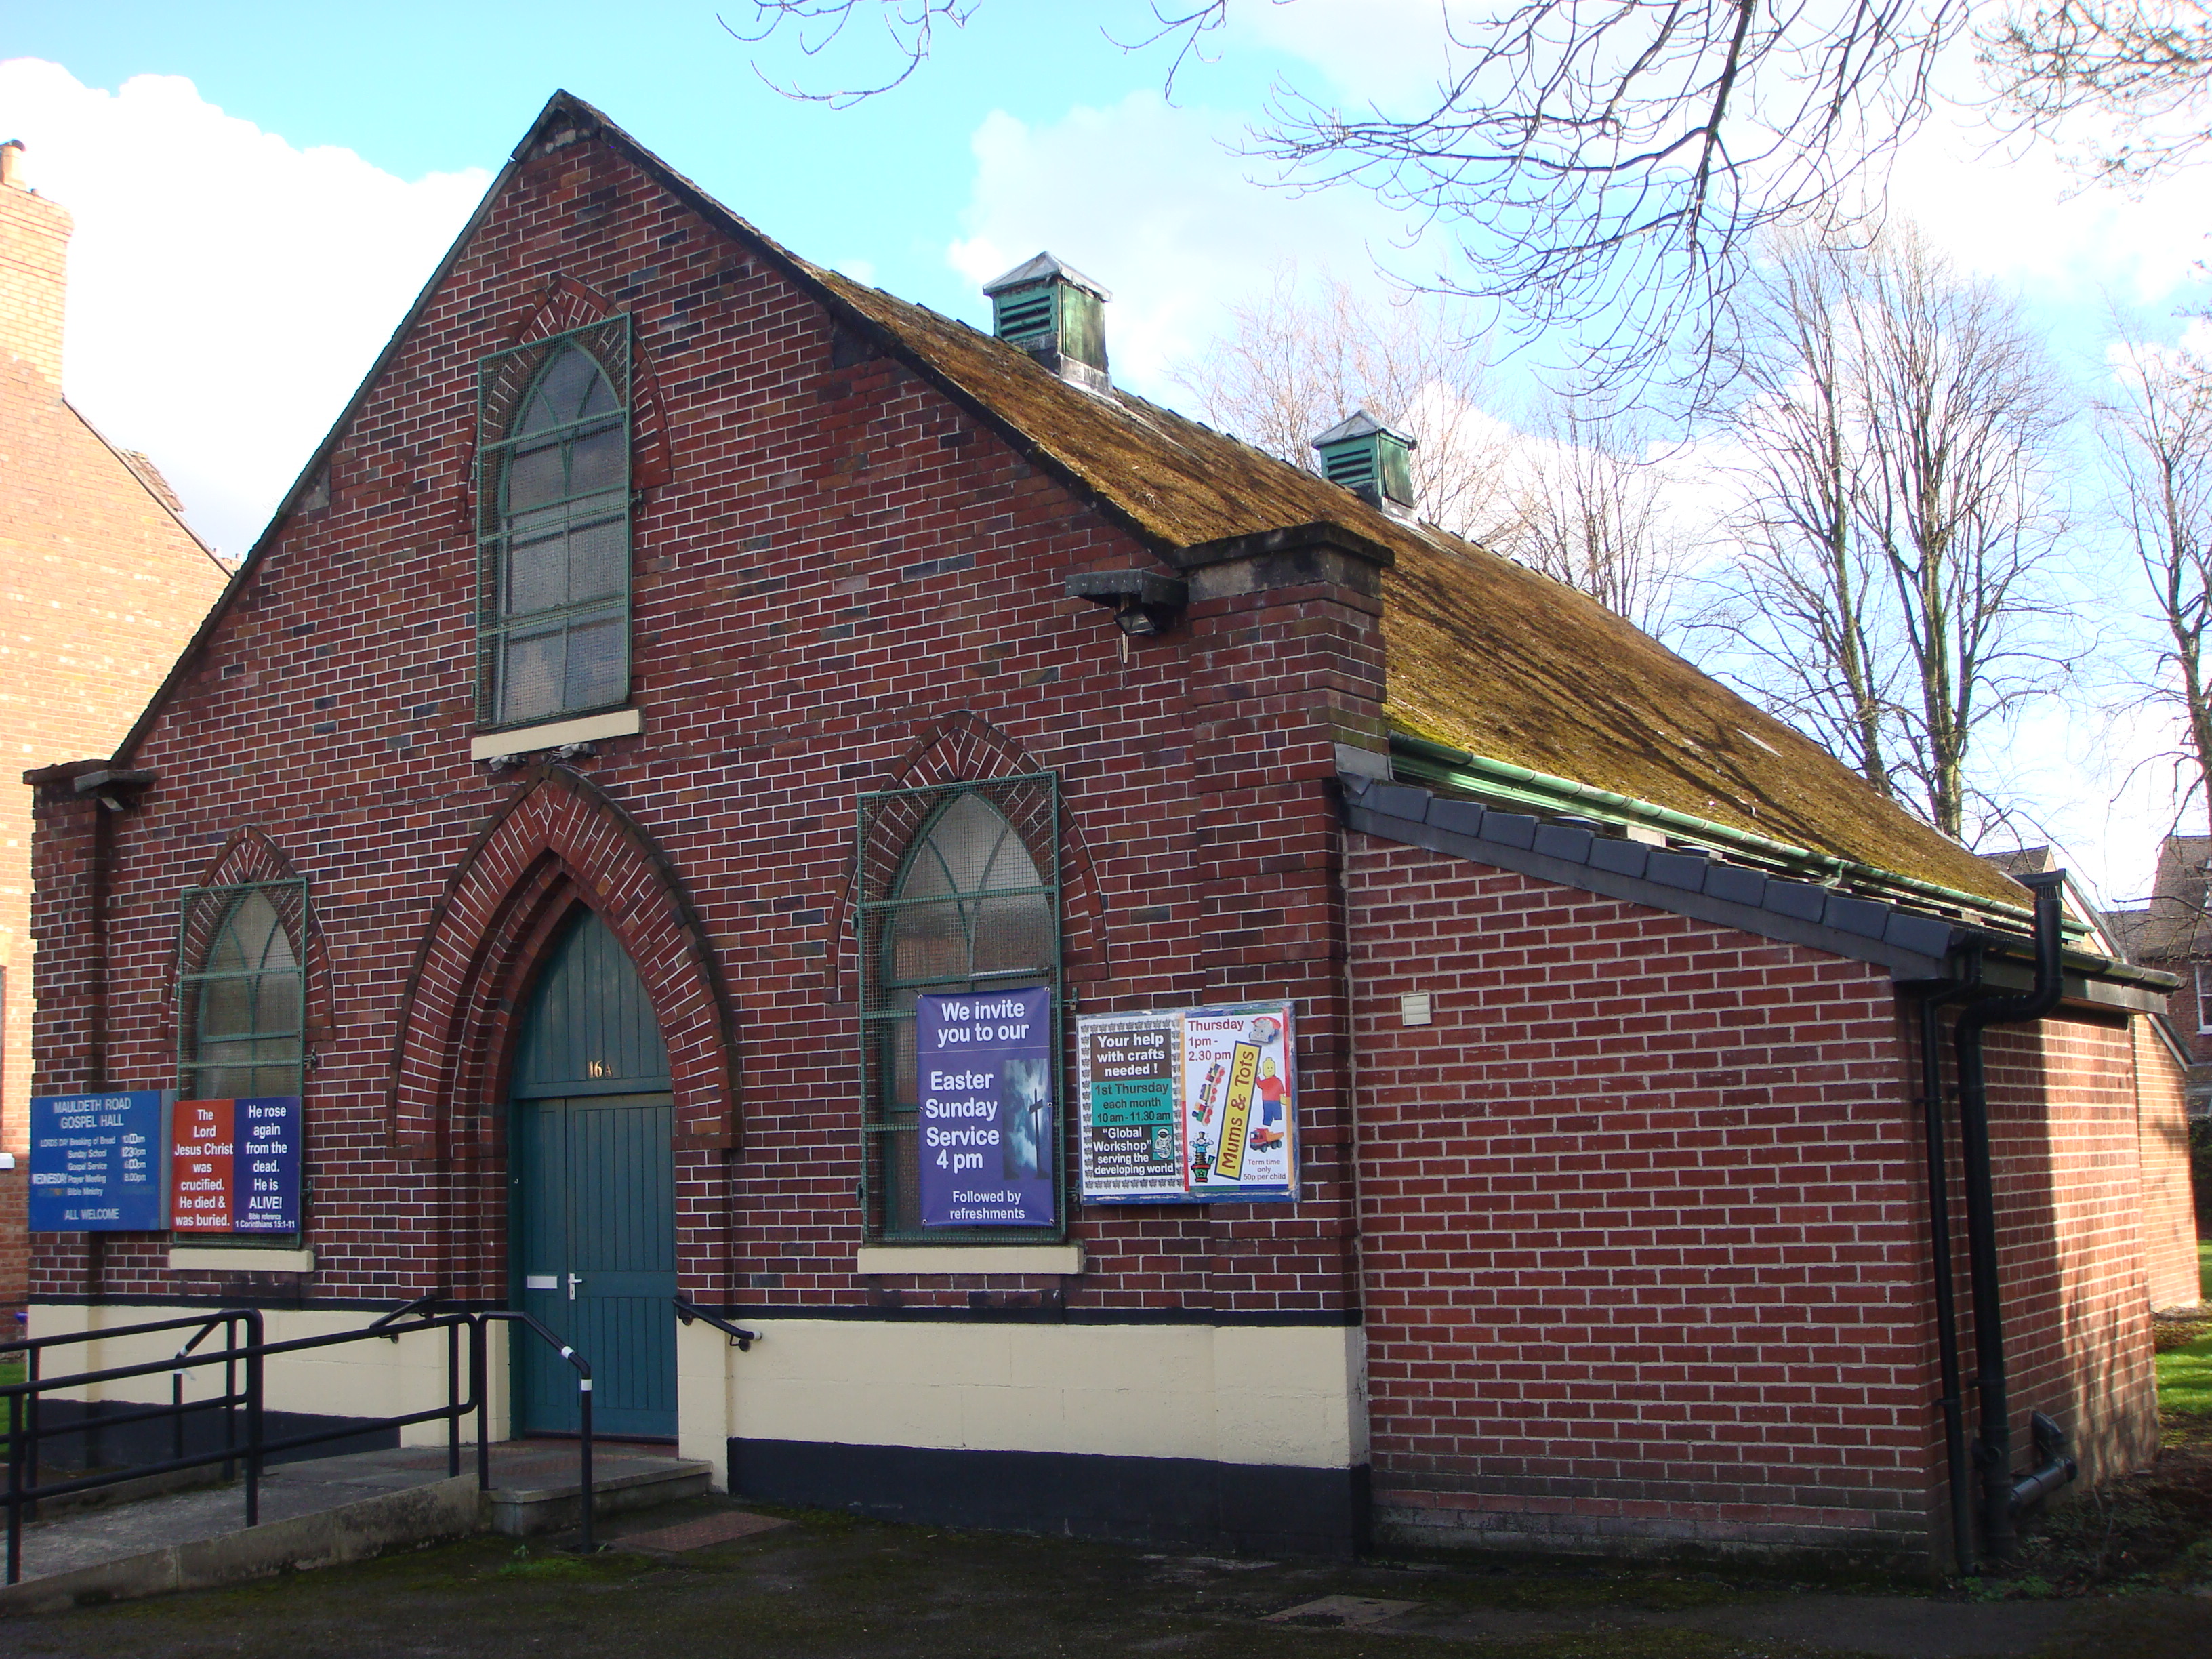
(689, 688)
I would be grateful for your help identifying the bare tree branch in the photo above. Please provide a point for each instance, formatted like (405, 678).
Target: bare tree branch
(1810, 586)
(1590, 512)
(2158, 437)
(2141, 69)
(911, 25)
(1602, 168)
(1302, 356)
(1895, 595)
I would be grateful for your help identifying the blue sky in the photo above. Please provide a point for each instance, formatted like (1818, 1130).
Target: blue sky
(414, 88)
(260, 189)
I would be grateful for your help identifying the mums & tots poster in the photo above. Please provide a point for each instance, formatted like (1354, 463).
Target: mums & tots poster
(1237, 1102)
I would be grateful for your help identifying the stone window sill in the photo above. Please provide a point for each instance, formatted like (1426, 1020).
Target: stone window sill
(970, 1259)
(556, 734)
(239, 1259)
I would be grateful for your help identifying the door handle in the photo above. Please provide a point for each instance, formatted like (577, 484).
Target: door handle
(574, 1280)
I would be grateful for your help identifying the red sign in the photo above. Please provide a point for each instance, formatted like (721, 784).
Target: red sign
(201, 1187)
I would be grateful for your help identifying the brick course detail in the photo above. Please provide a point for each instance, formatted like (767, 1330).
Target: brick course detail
(1644, 1237)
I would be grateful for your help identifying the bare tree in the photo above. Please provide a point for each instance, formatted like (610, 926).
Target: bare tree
(1961, 410)
(1603, 169)
(1574, 498)
(1897, 592)
(1807, 600)
(1590, 510)
(2141, 69)
(1302, 356)
(2158, 435)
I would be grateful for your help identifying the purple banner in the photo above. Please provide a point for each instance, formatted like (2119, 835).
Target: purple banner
(988, 1147)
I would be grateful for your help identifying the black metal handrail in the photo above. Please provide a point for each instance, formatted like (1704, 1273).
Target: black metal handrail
(25, 1489)
(740, 1339)
(583, 1370)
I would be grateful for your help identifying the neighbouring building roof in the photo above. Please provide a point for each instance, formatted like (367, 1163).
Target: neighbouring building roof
(2177, 923)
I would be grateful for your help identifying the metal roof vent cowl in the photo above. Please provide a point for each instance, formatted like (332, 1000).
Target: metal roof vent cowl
(1372, 460)
(1056, 314)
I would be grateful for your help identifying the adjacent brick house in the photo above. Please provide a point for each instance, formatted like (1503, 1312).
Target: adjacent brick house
(669, 620)
(101, 584)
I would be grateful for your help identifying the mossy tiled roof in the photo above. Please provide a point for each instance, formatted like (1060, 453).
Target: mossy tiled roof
(1482, 654)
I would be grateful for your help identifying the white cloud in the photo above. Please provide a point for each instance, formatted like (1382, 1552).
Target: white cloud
(1146, 198)
(1388, 51)
(2016, 214)
(226, 290)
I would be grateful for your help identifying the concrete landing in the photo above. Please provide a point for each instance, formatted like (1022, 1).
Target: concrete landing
(334, 1508)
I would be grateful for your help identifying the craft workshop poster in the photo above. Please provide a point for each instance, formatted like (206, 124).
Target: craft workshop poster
(1133, 1142)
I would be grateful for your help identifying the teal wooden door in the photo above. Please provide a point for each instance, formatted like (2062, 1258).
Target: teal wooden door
(594, 1211)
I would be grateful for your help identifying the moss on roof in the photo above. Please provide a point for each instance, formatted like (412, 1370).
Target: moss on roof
(1482, 654)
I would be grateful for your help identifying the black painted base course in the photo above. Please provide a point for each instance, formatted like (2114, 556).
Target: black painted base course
(72, 1437)
(1250, 1507)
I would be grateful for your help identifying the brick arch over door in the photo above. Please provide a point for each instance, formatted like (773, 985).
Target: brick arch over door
(965, 747)
(560, 840)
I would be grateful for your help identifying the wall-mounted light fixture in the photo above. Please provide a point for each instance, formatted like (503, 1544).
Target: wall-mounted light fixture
(1145, 604)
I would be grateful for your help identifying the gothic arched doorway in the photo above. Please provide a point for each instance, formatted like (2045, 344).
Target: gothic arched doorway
(592, 1193)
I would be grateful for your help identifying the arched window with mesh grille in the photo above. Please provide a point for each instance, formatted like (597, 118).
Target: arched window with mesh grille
(959, 891)
(240, 994)
(553, 504)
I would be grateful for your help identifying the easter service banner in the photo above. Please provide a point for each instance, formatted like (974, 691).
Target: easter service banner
(1191, 1106)
(988, 1151)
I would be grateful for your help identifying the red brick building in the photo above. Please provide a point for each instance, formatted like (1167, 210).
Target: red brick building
(680, 657)
(101, 586)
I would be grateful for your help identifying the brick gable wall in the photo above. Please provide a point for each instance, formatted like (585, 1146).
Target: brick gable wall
(842, 565)
(1645, 1255)
(2169, 1207)
(2066, 1149)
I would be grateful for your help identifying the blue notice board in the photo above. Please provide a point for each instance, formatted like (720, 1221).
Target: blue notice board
(97, 1162)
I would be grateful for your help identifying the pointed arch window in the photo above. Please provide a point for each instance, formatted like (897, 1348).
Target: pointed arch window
(959, 891)
(241, 995)
(553, 504)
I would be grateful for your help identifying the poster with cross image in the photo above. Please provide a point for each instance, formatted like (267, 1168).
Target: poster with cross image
(989, 1146)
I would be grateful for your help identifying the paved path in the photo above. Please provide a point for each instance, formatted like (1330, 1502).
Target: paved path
(828, 1588)
(89, 1538)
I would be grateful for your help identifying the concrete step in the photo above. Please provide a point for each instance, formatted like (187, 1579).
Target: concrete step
(331, 1509)
(541, 1492)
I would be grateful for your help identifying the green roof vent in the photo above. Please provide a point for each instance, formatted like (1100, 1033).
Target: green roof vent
(1369, 459)
(1056, 314)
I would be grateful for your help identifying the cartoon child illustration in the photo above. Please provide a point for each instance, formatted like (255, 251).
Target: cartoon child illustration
(1269, 1088)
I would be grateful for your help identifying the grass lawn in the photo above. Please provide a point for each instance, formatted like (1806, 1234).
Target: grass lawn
(2184, 1377)
(2185, 1373)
